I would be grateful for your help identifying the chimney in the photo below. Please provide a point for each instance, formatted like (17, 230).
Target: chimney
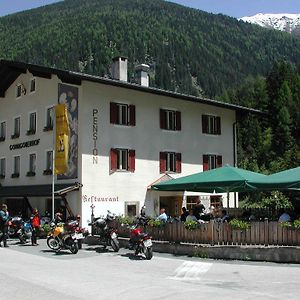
(142, 74)
(119, 68)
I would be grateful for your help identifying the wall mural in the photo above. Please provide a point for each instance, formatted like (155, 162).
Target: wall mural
(68, 95)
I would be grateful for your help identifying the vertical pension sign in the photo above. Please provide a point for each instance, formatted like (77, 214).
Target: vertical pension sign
(62, 139)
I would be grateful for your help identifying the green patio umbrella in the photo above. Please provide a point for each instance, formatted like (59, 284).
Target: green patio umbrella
(220, 180)
(288, 179)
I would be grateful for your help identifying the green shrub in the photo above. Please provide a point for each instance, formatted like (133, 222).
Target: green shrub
(286, 224)
(156, 223)
(239, 224)
(296, 224)
(191, 225)
(126, 220)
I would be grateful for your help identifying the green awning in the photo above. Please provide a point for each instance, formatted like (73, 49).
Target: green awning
(220, 180)
(38, 190)
(288, 179)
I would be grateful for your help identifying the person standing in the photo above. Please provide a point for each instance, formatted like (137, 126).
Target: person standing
(4, 218)
(199, 208)
(35, 224)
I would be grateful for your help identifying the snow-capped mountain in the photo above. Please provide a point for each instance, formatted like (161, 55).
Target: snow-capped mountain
(284, 22)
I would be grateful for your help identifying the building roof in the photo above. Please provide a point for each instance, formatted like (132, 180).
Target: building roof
(11, 70)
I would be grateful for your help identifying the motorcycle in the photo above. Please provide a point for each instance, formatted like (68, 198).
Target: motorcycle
(103, 229)
(14, 225)
(140, 241)
(24, 232)
(63, 236)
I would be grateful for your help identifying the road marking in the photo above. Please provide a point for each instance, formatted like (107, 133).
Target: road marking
(190, 271)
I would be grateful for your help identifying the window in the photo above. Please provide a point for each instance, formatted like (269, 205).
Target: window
(191, 201)
(49, 162)
(122, 160)
(16, 128)
(170, 120)
(170, 162)
(2, 167)
(211, 161)
(49, 119)
(211, 124)
(32, 124)
(131, 209)
(2, 131)
(32, 164)
(16, 170)
(122, 114)
(20, 90)
(32, 85)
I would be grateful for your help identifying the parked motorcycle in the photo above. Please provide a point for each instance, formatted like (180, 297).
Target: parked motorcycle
(25, 232)
(103, 228)
(14, 225)
(63, 236)
(140, 241)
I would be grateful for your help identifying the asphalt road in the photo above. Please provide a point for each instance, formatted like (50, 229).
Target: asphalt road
(28, 272)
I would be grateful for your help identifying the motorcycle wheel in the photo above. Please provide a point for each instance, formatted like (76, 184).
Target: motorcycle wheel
(22, 239)
(74, 248)
(149, 253)
(115, 244)
(53, 243)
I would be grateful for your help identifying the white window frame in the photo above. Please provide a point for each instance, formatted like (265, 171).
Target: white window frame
(123, 117)
(170, 161)
(49, 117)
(2, 166)
(3, 129)
(122, 159)
(33, 79)
(17, 129)
(32, 162)
(212, 161)
(19, 90)
(49, 159)
(32, 126)
(16, 164)
(170, 119)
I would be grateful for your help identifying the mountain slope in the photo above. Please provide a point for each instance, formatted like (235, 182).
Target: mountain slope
(284, 22)
(189, 51)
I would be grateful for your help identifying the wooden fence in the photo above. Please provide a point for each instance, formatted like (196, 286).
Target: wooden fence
(259, 233)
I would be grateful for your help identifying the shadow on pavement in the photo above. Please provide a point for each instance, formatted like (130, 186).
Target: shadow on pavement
(131, 256)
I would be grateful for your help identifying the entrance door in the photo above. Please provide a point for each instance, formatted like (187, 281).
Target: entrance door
(172, 205)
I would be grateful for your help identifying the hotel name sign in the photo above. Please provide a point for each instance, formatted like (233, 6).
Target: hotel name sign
(24, 144)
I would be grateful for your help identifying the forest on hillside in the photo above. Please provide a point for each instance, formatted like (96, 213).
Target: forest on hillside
(189, 51)
(270, 143)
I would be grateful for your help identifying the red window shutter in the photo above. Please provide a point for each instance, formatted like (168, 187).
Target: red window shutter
(219, 161)
(131, 166)
(218, 125)
(113, 159)
(178, 120)
(204, 124)
(162, 119)
(113, 113)
(162, 162)
(205, 163)
(132, 115)
(178, 162)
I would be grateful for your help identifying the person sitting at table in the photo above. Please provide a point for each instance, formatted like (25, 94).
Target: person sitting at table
(191, 216)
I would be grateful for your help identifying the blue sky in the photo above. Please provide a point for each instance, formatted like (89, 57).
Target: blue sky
(234, 8)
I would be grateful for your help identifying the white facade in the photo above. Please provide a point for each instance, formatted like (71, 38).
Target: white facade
(106, 189)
